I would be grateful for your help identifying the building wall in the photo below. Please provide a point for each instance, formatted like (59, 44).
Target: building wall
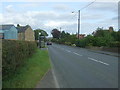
(11, 34)
(21, 36)
(1, 34)
(81, 36)
(29, 35)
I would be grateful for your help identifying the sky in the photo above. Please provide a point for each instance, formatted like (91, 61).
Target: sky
(48, 15)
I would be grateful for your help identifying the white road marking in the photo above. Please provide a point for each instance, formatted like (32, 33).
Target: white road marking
(77, 54)
(98, 61)
(68, 51)
(103, 63)
(55, 79)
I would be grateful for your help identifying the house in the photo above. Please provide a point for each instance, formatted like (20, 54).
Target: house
(8, 31)
(25, 33)
(81, 36)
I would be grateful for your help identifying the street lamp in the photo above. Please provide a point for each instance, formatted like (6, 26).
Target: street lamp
(79, 16)
(78, 22)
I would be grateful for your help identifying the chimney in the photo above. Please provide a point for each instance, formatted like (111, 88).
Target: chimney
(110, 29)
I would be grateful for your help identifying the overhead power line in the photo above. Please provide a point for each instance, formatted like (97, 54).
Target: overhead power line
(79, 16)
(88, 5)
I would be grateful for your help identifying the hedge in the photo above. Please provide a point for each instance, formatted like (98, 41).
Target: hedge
(14, 53)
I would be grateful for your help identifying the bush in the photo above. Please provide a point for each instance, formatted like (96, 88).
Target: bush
(14, 53)
(81, 43)
(115, 44)
(73, 45)
(67, 43)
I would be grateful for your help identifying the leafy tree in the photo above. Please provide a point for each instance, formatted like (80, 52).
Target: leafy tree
(89, 39)
(56, 33)
(71, 38)
(116, 35)
(100, 32)
(37, 31)
(108, 37)
(64, 34)
(102, 37)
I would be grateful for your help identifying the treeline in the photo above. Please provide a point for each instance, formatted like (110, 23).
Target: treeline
(101, 37)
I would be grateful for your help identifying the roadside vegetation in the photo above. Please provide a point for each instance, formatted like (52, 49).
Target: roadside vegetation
(14, 54)
(101, 37)
(42, 33)
(22, 69)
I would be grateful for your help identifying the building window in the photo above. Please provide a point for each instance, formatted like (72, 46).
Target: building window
(1, 35)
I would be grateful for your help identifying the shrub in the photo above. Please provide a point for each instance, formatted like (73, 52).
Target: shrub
(73, 45)
(67, 43)
(115, 44)
(81, 43)
(14, 53)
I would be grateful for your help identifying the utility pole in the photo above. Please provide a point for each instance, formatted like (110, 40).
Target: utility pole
(78, 23)
(79, 11)
(60, 28)
(60, 32)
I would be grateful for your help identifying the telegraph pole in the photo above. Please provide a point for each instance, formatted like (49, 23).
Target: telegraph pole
(78, 23)
(79, 11)
(60, 32)
(60, 28)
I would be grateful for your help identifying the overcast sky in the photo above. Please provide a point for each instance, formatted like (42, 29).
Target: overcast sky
(49, 15)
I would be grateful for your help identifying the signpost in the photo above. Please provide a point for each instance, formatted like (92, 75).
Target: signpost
(41, 40)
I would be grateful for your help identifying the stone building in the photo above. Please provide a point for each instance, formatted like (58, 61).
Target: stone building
(25, 33)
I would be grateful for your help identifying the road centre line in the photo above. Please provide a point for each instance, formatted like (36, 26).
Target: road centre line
(98, 61)
(77, 54)
(68, 51)
(88, 57)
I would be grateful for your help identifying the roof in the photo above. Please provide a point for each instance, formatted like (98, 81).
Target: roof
(22, 28)
(6, 27)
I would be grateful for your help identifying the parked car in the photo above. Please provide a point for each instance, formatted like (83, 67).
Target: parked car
(49, 43)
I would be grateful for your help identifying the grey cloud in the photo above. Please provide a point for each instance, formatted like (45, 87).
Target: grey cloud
(115, 18)
(38, 19)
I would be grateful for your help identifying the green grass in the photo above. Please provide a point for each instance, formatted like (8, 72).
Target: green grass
(31, 73)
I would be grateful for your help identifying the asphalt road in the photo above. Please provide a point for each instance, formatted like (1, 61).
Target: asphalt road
(79, 68)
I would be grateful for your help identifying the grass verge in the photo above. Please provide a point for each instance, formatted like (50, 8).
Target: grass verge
(31, 72)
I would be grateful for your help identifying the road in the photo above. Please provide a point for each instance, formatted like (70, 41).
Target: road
(79, 68)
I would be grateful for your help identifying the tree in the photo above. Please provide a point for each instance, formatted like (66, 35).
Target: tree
(56, 33)
(99, 33)
(37, 31)
(116, 35)
(64, 34)
(18, 25)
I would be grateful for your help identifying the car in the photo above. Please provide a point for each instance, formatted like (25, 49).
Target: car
(49, 43)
